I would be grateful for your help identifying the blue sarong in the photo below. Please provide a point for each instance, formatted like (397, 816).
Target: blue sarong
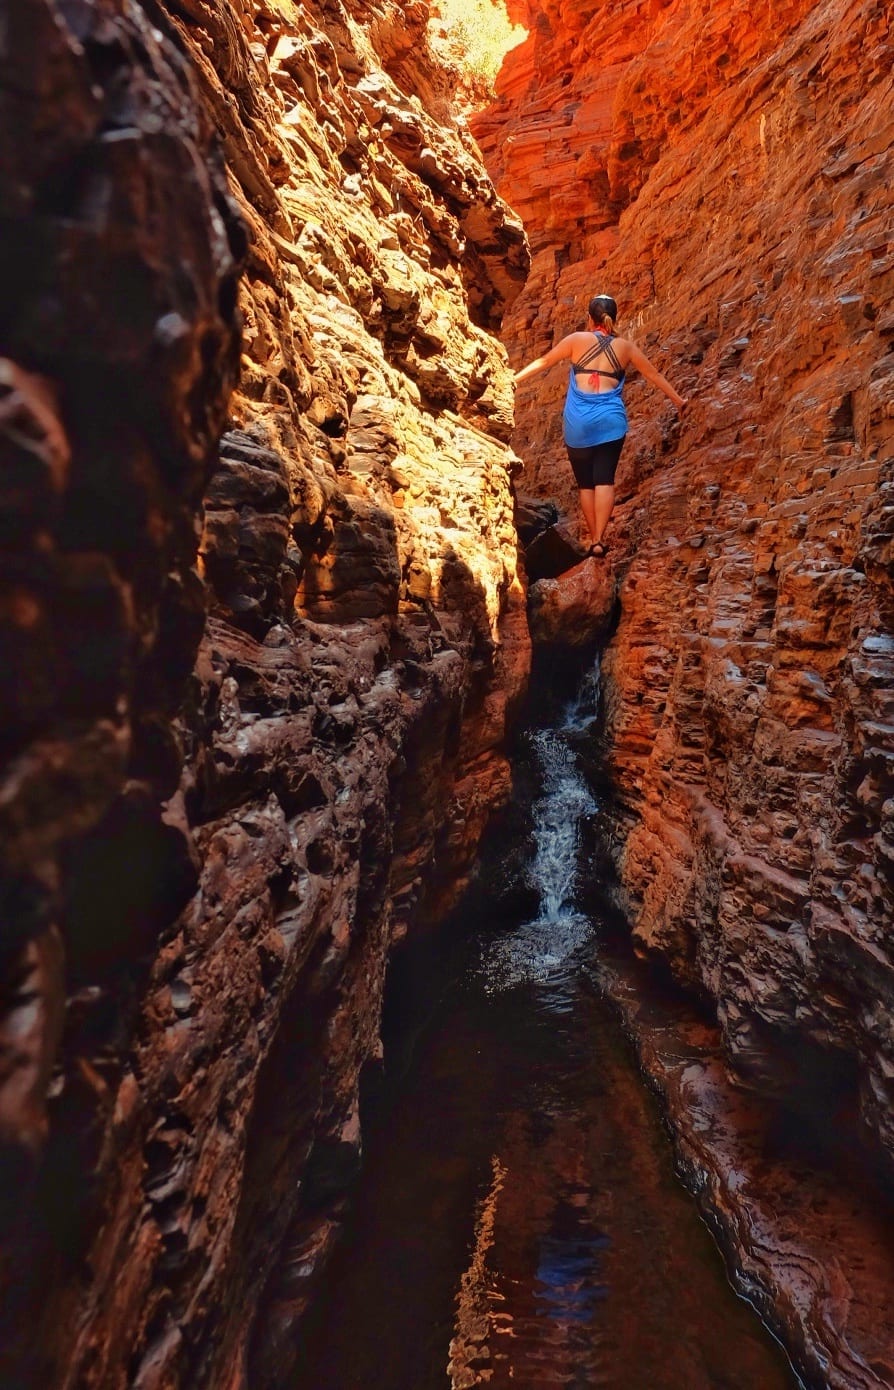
(593, 417)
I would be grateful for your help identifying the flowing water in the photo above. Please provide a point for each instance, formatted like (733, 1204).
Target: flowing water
(518, 1221)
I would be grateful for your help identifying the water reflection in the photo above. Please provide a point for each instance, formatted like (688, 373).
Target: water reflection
(595, 1270)
(519, 1223)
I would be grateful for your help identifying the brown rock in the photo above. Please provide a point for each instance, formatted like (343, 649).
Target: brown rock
(233, 795)
(575, 610)
(120, 336)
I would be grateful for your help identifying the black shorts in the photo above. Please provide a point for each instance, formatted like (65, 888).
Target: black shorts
(595, 466)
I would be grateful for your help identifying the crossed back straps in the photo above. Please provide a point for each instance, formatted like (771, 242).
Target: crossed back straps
(603, 344)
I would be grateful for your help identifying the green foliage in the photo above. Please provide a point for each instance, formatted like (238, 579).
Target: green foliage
(477, 35)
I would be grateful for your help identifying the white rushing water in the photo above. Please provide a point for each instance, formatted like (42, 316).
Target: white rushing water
(537, 949)
(557, 817)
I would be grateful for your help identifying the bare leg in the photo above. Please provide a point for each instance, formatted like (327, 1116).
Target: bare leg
(596, 505)
(588, 507)
(604, 501)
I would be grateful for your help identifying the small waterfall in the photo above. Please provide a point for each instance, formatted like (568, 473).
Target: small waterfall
(537, 949)
(565, 801)
(557, 817)
(517, 1186)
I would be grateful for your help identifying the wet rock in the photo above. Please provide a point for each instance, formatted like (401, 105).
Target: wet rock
(812, 1253)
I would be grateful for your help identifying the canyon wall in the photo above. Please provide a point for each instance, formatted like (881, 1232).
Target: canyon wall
(260, 647)
(725, 172)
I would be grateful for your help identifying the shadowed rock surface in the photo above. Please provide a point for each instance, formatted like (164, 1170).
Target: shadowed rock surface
(261, 644)
(247, 738)
(806, 1232)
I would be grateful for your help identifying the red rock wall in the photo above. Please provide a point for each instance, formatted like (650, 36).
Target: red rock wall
(247, 743)
(725, 171)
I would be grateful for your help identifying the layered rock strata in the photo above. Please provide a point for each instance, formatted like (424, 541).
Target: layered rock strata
(247, 744)
(726, 175)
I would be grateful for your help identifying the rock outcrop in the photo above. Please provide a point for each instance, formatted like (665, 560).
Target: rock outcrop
(261, 647)
(250, 742)
(726, 174)
(574, 610)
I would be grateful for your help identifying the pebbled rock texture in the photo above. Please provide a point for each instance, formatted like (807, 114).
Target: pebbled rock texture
(726, 174)
(120, 249)
(265, 643)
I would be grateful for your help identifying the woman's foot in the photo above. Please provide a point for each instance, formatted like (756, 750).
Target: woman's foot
(597, 550)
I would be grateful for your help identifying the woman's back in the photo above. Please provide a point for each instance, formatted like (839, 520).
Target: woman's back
(599, 363)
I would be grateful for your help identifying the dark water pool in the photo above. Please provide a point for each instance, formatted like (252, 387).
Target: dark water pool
(518, 1222)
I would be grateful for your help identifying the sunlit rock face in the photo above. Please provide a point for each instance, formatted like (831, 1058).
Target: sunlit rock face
(726, 173)
(249, 741)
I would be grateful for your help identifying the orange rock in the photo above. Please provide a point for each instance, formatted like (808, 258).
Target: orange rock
(728, 180)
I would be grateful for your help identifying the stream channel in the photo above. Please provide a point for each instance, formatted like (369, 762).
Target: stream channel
(518, 1220)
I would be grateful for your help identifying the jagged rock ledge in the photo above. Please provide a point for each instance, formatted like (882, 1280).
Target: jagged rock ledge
(574, 610)
(253, 738)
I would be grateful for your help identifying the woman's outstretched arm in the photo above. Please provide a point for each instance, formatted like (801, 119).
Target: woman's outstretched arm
(549, 359)
(639, 360)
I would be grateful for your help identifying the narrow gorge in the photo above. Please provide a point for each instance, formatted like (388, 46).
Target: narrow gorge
(268, 625)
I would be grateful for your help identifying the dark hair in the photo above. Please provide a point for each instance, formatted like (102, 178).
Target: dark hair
(603, 307)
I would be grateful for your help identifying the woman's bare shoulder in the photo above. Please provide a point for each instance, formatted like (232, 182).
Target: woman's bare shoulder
(577, 342)
(624, 348)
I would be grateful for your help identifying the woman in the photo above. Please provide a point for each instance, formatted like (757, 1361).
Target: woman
(595, 419)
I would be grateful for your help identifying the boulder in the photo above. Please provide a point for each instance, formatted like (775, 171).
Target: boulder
(576, 609)
(552, 552)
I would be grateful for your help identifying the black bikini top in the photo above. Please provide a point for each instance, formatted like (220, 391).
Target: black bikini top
(603, 344)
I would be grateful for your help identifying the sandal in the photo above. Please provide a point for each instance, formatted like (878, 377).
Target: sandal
(597, 551)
